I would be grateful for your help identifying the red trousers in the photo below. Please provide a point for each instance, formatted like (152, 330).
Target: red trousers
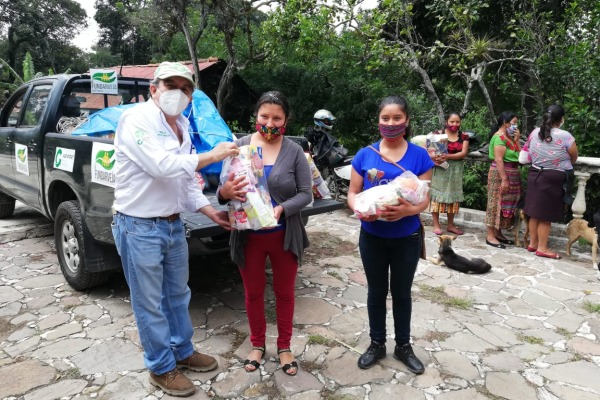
(284, 265)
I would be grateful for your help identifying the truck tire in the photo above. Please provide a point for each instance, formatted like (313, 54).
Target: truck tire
(7, 205)
(69, 240)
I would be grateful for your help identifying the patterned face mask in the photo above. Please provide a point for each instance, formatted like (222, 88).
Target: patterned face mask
(453, 128)
(270, 133)
(391, 132)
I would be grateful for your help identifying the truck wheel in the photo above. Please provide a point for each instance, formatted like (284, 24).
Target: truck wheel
(69, 240)
(7, 205)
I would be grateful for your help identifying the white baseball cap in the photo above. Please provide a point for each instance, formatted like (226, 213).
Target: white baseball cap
(168, 69)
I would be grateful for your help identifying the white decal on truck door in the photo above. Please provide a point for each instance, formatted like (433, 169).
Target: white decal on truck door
(103, 164)
(22, 158)
(64, 158)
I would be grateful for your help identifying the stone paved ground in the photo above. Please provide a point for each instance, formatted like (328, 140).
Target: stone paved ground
(527, 330)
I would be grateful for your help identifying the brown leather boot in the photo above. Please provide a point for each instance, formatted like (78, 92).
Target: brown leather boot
(173, 383)
(198, 362)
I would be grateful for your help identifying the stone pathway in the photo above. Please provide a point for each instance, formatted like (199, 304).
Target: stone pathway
(527, 330)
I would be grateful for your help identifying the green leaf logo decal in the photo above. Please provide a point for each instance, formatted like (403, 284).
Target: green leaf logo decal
(21, 155)
(104, 158)
(58, 159)
(104, 77)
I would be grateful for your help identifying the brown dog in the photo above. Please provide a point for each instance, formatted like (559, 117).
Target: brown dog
(578, 228)
(457, 262)
(520, 217)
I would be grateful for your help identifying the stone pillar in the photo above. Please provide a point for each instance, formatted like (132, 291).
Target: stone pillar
(579, 206)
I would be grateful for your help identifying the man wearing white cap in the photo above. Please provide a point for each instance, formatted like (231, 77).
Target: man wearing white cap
(155, 182)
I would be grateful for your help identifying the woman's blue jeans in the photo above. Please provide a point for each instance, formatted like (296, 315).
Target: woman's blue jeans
(154, 254)
(392, 261)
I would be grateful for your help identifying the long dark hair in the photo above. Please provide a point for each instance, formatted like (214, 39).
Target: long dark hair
(400, 102)
(503, 118)
(274, 97)
(551, 118)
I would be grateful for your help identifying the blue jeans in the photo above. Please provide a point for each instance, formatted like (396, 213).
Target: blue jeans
(154, 254)
(400, 257)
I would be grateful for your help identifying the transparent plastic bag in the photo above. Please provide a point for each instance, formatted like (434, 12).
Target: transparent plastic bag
(374, 200)
(257, 211)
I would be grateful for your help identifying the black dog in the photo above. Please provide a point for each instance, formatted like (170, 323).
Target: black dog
(457, 262)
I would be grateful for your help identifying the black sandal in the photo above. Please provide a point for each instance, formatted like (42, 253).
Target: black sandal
(254, 363)
(287, 367)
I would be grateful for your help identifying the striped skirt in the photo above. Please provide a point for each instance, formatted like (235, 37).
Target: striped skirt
(447, 188)
(501, 207)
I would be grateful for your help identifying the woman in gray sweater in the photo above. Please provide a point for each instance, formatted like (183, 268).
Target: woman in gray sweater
(289, 184)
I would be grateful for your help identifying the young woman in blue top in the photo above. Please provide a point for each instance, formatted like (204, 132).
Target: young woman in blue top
(391, 245)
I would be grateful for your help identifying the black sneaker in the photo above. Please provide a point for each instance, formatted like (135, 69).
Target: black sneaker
(405, 354)
(375, 352)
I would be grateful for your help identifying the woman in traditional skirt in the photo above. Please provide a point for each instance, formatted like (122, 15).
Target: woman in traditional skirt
(447, 183)
(504, 179)
(553, 152)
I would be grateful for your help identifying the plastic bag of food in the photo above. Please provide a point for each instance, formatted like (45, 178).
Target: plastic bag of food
(373, 201)
(257, 211)
(419, 140)
(319, 186)
(438, 144)
(410, 187)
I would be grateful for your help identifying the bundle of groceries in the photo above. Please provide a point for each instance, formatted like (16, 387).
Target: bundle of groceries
(434, 143)
(257, 211)
(319, 186)
(373, 201)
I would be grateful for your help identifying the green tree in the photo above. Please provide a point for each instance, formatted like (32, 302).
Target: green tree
(43, 28)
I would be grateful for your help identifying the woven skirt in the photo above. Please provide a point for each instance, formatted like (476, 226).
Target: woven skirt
(501, 207)
(447, 187)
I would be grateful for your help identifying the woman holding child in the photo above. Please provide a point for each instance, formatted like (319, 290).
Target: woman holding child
(289, 184)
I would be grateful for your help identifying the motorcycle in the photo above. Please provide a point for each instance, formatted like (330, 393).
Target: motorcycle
(332, 160)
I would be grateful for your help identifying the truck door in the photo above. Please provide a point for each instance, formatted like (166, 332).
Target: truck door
(27, 146)
(11, 118)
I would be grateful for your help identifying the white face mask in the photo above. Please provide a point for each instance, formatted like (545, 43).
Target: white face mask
(172, 102)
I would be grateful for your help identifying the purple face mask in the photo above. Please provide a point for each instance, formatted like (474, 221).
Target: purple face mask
(391, 132)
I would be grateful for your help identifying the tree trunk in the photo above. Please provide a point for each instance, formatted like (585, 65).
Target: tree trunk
(225, 87)
(528, 103)
(414, 64)
(486, 95)
(192, 51)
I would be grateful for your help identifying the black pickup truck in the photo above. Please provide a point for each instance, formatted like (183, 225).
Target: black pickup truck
(69, 178)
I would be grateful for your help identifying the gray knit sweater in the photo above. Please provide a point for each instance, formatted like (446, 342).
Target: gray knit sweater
(290, 186)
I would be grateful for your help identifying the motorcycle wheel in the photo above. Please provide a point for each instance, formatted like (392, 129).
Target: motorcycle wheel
(334, 187)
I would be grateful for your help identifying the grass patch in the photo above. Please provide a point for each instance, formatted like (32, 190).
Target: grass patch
(564, 332)
(238, 339)
(582, 242)
(329, 395)
(532, 339)
(310, 366)
(335, 275)
(437, 295)
(591, 307)
(324, 245)
(436, 336)
(271, 314)
(322, 340)
(71, 373)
